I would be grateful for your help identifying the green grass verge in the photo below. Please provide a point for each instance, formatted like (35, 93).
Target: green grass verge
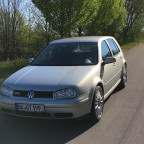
(131, 45)
(8, 67)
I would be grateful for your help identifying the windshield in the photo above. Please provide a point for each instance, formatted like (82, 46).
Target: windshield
(68, 54)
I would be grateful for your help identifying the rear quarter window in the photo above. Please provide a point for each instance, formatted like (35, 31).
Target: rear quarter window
(114, 48)
(116, 45)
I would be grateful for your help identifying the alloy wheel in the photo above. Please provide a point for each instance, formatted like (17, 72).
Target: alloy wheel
(99, 103)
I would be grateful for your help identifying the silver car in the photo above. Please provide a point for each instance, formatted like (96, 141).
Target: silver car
(70, 78)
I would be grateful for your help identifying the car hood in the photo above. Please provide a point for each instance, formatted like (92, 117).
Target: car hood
(48, 78)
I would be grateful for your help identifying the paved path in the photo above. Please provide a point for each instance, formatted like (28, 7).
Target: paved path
(122, 122)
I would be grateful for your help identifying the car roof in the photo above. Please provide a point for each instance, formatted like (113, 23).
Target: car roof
(82, 39)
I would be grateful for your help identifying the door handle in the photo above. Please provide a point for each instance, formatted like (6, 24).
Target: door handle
(114, 64)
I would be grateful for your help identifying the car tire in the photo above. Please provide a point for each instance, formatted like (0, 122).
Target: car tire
(97, 104)
(124, 77)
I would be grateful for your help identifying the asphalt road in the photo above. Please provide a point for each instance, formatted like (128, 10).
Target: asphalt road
(122, 121)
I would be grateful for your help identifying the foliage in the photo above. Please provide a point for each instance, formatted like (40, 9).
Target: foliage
(134, 20)
(109, 20)
(67, 15)
(37, 41)
(12, 32)
(18, 38)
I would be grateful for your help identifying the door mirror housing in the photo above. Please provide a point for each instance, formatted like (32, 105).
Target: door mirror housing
(31, 60)
(109, 60)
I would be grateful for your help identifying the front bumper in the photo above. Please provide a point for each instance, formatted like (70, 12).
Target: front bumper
(54, 109)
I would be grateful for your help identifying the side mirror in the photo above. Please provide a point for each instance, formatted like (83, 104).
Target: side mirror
(31, 60)
(109, 60)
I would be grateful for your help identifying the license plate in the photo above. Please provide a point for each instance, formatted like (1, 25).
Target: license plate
(29, 107)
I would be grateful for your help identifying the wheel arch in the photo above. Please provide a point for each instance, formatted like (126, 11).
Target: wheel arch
(125, 63)
(99, 83)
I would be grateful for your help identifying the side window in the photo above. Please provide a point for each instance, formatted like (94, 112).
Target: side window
(113, 47)
(105, 50)
(116, 45)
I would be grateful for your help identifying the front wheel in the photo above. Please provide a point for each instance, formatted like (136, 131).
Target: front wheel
(97, 104)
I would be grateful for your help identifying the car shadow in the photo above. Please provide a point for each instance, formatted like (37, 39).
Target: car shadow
(42, 131)
(117, 89)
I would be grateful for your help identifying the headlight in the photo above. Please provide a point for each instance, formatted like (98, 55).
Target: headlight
(6, 91)
(68, 93)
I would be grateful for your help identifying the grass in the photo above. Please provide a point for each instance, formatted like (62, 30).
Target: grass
(8, 67)
(132, 45)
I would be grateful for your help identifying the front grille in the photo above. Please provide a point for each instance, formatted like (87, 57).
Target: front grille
(37, 94)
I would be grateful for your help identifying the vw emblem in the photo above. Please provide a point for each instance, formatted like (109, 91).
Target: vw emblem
(31, 94)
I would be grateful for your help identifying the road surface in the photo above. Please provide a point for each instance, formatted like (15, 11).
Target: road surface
(122, 121)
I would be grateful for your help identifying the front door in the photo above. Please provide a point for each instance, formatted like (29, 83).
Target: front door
(108, 70)
(118, 64)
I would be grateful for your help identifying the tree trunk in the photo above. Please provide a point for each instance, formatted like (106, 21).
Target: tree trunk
(47, 28)
(80, 31)
(125, 35)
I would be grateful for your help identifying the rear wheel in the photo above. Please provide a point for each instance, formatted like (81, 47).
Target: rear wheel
(97, 105)
(124, 77)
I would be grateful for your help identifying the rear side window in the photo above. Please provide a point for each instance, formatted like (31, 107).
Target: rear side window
(113, 47)
(116, 45)
(105, 50)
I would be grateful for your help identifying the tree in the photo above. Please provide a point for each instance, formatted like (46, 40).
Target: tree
(110, 18)
(41, 21)
(67, 15)
(5, 27)
(12, 30)
(134, 18)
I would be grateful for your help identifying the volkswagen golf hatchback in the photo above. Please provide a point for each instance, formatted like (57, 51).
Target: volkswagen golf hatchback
(69, 78)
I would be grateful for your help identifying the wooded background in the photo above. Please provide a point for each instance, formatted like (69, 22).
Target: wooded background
(26, 27)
